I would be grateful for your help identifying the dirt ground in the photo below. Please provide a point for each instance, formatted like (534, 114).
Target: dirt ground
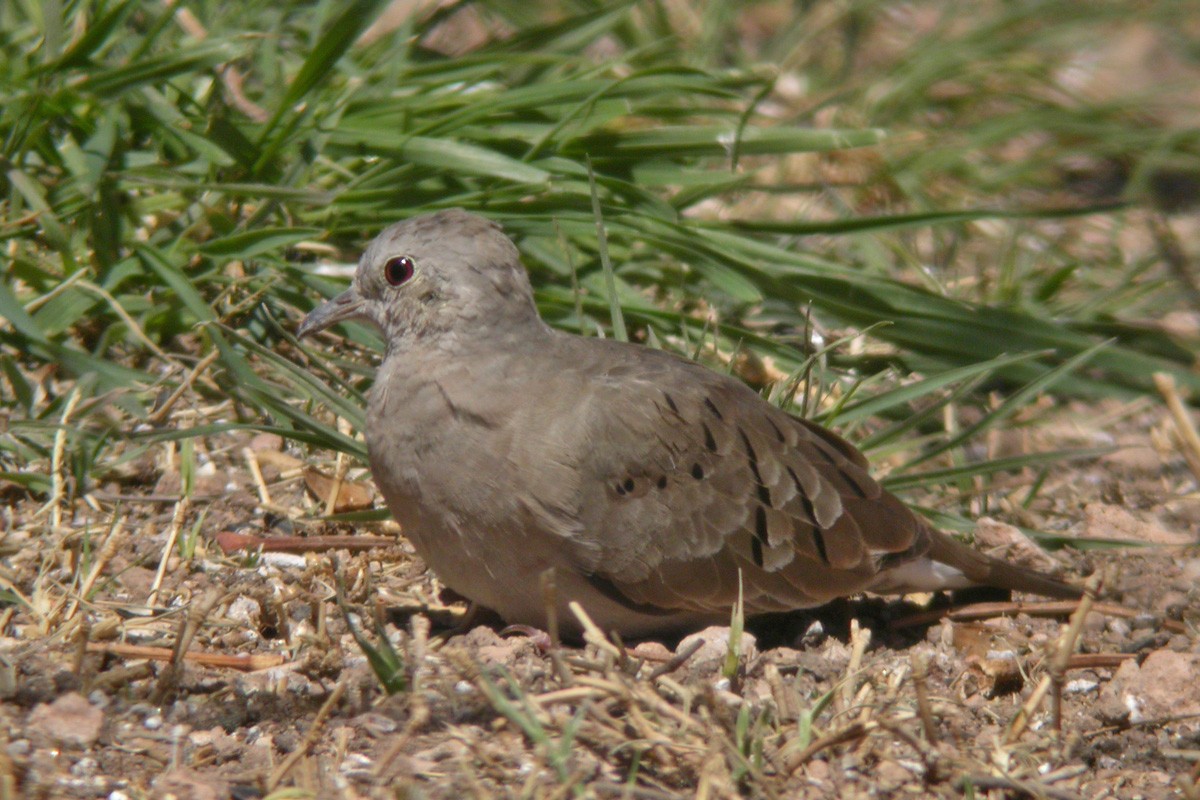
(874, 697)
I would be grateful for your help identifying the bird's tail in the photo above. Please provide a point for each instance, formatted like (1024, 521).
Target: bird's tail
(983, 570)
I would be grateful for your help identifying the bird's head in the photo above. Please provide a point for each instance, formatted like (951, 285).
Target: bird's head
(448, 274)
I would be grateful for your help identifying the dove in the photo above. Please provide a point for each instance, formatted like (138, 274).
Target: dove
(654, 488)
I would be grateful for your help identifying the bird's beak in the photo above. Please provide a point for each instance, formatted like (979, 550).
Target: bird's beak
(347, 305)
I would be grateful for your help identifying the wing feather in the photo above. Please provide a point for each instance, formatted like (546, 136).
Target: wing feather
(704, 479)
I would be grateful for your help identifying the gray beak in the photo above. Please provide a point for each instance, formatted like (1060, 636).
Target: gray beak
(347, 305)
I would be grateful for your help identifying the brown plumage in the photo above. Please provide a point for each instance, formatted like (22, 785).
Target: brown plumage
(647, 482)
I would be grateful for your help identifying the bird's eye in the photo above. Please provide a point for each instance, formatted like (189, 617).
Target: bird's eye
(398, 270)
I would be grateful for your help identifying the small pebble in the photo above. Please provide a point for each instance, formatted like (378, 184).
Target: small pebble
(1142, 621)
(1081, 685)
(355, 763)
(85, 767)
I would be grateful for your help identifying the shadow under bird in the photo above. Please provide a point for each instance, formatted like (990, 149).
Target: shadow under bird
(505, 448)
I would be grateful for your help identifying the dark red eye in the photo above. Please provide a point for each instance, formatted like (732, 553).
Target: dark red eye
(397, 270)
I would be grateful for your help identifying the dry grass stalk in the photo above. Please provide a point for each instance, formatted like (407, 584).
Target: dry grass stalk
(920, 668)
(57, 478)
(163, 411)
(112, 541)
(231, 77)
(310, 738)
(1188, 437)
(1190, 785)
(1054, 676)
(189, 625)
(592, 633)
(8, 777)
(341, 466)
(181, 509)
(264, 494)
(859, 639)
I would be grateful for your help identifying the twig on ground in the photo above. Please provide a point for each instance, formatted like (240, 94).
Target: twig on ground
(232, 542)
(677, 660)
(851, 733)
(1053, 608)
(1155, 722)
(243, 662)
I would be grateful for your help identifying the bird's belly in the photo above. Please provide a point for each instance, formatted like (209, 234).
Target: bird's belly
(478, 543)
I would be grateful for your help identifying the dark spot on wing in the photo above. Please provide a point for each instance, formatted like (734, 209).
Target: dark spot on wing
(697, 471)
(764, 494)
(713, 408)
(671, 402)
(855, 486)
(819, 541)
(828, 457)
(709, 442)
(756, 552)
(808, 508)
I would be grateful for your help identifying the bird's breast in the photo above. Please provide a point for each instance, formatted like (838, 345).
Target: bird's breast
(452, 465)
(423, 442)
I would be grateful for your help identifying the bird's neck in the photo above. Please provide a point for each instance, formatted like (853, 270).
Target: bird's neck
(499, 336)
